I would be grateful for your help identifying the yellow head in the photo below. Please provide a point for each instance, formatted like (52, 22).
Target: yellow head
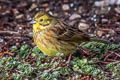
(42, 21)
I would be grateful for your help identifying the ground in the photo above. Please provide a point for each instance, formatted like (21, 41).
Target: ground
(21, 59)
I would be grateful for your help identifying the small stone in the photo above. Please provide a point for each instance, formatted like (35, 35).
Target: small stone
(31, 33)
(22, 4)
(6, 12)
(0, 7)
(105, 10)
(104, 5)
(55, 14)
(71, 5)
(108, 35)
(89, 30)
(99, 33)
(75, 9)
(72, 22)
(33, 0)
(45, 5)
(33, 6)
(104, 20)
(83, 20)
(20, 27)
(37, 9)
(28, 17)
(111, 2)
(101, 3)
(1, 40)
(65, 1)
(83, 26)
(15, 11)
(118, 23)
(19, 16)
(80, 9)
(117, 9)
(112, 32)
(47, 9)
(98, 3)
(74, 16)
(17, 44)
(50, 12)
(118, 2)
(66, 13)
(65, 7)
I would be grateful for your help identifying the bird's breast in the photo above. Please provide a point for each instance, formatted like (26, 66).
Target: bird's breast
(50, 45)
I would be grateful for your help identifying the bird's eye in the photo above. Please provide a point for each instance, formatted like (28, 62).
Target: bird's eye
(41, 20)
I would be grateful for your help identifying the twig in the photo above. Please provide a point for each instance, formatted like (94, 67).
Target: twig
(107, 62)
(101, 40)
(116, 54)
(9, 33)
(28, 35)
(6, 52)
(53, 68)
(15, 33)
(111, 60)
(107, 56)
(19, 71)
(6, 2)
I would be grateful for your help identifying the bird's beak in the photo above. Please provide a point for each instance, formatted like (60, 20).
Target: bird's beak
(32, 22)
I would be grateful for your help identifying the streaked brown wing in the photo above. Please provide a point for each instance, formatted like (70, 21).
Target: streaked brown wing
(68, 33)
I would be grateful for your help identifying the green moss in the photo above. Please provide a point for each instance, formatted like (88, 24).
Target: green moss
(23, 66)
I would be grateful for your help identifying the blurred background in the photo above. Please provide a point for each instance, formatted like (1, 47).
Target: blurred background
(20, 59)
(98, 17)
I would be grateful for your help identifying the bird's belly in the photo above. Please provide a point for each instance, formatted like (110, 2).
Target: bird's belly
(53, 46)
(47, 48)
(52, 50)
(49, 52)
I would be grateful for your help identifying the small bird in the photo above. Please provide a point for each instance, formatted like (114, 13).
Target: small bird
(52, 35)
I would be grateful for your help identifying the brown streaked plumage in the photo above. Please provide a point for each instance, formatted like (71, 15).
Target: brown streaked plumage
(53, 36)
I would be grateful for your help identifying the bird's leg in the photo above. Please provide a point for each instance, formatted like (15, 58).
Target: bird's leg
(60, 59)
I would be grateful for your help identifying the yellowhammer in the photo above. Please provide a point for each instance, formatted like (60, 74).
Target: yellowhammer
(54, 36)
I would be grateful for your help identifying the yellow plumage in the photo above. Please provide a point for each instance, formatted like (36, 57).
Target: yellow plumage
(54, 36)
